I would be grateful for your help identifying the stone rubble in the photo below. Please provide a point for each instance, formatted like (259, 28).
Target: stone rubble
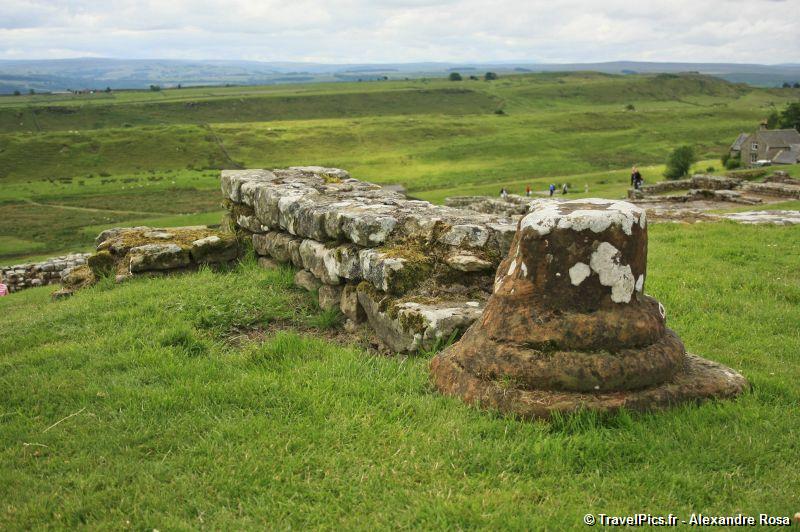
(761, 217)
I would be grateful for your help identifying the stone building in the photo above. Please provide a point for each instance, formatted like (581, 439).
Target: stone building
(778, 146)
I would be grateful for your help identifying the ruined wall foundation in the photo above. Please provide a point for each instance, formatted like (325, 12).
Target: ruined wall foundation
(418, 274)
(50, 271)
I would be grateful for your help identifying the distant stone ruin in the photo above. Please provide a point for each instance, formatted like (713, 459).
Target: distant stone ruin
(692, 201)
(716, 188)
(50, 271)
(702, 193)
(568, 325)
(418, 274)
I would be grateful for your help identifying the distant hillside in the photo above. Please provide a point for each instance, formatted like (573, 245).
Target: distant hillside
(91, 73)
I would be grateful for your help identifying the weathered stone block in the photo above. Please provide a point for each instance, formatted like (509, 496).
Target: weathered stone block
(329, 296)
(281, 246)
(467, 262)
(368, 225)
(465, 236)
(214, 249)
(305, 279)
(349, 304)
(158, 257)
(383, 271)
(410, 326)
(267, 263)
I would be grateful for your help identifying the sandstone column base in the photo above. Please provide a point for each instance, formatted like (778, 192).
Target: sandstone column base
(699, 380)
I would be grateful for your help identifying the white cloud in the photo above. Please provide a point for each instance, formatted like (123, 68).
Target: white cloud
(763, 31)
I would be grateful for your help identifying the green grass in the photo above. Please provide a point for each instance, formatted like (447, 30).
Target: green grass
(14, 246)
(180, 421)
(254, 108)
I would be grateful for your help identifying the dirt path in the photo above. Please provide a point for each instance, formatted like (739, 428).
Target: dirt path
(92, 209)
(221, 146)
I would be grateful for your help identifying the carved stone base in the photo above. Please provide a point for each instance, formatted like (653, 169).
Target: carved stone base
(699, 380)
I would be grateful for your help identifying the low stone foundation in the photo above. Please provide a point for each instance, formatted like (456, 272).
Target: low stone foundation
(123, 252)
(50, 271)
(718, 188)
(417, 273)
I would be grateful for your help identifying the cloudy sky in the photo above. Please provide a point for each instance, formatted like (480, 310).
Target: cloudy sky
(350, 31)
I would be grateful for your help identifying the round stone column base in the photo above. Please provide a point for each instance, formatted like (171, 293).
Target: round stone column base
(699, 380)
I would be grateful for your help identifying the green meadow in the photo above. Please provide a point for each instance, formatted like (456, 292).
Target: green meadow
(229, 400)
(213, 400)
(138, 155)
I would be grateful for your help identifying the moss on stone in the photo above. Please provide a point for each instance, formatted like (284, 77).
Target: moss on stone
(79, 277)
(329, 178)
(181, 236)
(411, 321)
(417, 264)
(101, 264)
(240, 209)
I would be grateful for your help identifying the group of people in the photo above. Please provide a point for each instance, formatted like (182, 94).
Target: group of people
(529, 192)
(636, 182)
(552, 189)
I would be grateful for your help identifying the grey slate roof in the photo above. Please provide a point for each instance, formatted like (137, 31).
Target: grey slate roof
(737, 144)
(788, 156)
(778, 138)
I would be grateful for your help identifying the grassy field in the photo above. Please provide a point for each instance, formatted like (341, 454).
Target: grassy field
(224, 400)
(151, 405)
(72, 162)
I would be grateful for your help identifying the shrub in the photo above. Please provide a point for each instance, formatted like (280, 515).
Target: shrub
(679, 162)
(711, 169)
(772, 120)
(630, 107)
(455, 76)
(790, 117)
(489, 76)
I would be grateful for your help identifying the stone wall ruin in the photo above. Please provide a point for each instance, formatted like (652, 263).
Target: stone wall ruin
(417, 273)
(47, 272)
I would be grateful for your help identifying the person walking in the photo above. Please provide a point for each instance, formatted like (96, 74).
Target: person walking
(636, 178)
(528, 191)
(564, 189)
(3, 288)
(552, 189)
